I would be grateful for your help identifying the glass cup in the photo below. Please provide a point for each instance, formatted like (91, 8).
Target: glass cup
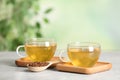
(82, 54)
(39, 49)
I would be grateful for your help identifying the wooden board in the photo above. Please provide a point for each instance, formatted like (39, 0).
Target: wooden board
(99, 67)
(22, 62)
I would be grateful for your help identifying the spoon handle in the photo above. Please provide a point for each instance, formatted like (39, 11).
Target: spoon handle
(53, 62)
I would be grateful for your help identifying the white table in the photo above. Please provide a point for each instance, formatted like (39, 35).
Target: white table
(9, 71)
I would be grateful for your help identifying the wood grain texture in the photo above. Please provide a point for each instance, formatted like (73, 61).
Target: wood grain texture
(22, 62)
(99, 67)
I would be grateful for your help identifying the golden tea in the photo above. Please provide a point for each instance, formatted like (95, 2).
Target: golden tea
(38, 49)
(84, 57)
(40, 53)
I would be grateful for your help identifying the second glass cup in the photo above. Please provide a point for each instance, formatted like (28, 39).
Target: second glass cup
(83, 54)
(39, 49)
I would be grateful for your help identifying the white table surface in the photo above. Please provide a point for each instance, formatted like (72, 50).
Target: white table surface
(9, 71)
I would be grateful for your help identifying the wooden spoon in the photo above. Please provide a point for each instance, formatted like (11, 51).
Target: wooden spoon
(40, 66)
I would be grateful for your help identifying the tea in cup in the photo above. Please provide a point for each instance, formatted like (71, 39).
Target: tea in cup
(83, 54)
(39, 49)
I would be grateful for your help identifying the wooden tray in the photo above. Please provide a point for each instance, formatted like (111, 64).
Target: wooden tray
(99, 67)
(22, 62)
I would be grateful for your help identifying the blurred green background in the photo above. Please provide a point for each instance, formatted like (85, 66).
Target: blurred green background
(17, 22)
(64, 20)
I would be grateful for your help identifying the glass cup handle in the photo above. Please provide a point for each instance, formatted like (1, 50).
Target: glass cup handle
(17, 50)
(60, 56)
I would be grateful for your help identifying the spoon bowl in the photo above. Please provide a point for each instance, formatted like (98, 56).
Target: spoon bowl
(40, 66)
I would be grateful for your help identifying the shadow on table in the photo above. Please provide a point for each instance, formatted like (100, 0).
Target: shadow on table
(8, 62)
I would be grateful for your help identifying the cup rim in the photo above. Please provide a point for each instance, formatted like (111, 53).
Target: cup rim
(39, 41)
(83, 44)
